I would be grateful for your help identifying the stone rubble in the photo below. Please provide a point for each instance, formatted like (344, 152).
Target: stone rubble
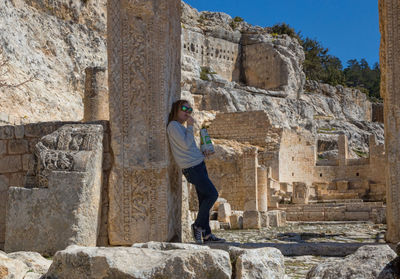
(367, 262)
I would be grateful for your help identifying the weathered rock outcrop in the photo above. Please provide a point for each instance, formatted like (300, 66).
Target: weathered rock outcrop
(366, 262)
(48, 45)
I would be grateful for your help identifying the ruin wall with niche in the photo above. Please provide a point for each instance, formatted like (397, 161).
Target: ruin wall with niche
(297, 163)
(16, 165)
(220, 55)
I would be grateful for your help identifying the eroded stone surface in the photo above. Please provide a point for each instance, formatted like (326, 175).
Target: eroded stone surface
(390, 59)
(257, 263)
(145, 191)
(63, 208)
(124, 262)
(366, 262)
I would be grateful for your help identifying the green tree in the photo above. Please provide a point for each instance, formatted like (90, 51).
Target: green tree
(319, 65)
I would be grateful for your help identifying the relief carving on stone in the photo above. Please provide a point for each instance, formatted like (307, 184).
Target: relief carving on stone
(144, 78)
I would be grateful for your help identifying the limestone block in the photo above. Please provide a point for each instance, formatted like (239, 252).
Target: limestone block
(251, 220)
(264, 219)
(378, 215)
(92, 262)
(314, 216)
(6, 132)
(217, 203)
(64, 207)
(334, 216)
(19, 131)
(215, 225)
(3, 148)
(300, 193)
(236, 221)
(257, 263)
(144, 72)
(17, 146)
(17, 179)
(342, 186)
(35, 262)
(224, 212)
(11, 163)
(276, 218)
(367, 262)
(28, 162)
(356, 216)
(11, 268)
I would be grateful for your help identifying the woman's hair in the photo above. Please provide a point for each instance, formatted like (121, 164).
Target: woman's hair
(175, 110)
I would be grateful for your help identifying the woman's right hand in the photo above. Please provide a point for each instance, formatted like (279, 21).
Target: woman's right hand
(190, 121)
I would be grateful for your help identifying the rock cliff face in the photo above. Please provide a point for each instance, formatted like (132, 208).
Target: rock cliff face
(227, 66)
(46, 46)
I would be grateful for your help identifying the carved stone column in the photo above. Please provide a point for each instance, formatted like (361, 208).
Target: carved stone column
(144, 80)
(389, 12)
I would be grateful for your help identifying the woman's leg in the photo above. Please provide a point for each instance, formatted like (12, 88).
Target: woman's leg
(207, 195)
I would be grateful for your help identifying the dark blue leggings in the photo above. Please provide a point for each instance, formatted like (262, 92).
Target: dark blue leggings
(206, 193)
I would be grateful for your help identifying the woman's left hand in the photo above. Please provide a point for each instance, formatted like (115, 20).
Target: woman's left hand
(207, 153)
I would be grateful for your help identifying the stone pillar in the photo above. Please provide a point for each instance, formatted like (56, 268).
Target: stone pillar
(249, 176)
(262, 188)
(95, 102)
(301, 193)
(389, 13)
(251, 215)
(144, 80)
(343, 149)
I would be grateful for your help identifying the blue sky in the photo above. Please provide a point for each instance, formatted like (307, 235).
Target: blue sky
(348, 28)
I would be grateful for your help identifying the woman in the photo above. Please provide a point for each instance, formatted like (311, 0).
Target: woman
(191, 160)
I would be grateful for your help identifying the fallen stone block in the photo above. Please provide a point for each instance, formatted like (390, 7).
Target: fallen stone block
(276, 218)
(12, 268)
(224, 212)
(251, 220)
(127, 262)
(367, 262)
(236, 222)
(257, 263)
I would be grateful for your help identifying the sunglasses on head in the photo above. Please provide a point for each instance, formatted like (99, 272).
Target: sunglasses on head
(186, 109)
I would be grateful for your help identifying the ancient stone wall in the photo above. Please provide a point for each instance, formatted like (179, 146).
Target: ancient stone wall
(296, 158)
(234, 174)
(144, 77)
(252, 127)
(352, 211)
(220, 55)
(297, 163)
(16, 165)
